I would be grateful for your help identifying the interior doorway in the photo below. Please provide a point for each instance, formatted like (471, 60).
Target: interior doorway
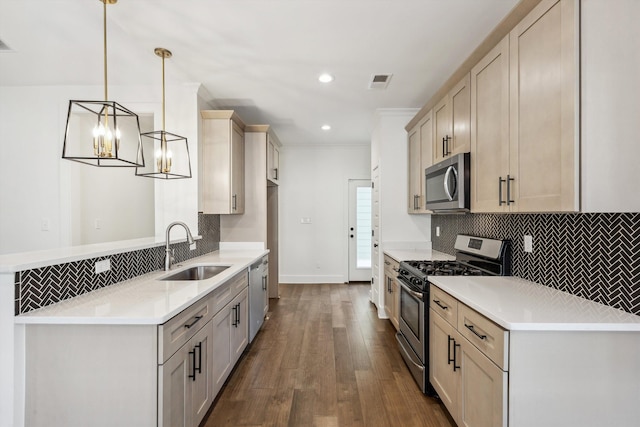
(359, 230)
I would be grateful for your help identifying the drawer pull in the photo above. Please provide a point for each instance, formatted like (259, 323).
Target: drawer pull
(195, 320)
(470, 327)
(444, 307)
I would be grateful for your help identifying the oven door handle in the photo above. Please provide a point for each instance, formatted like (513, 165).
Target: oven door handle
(408, 352)
(411, 292)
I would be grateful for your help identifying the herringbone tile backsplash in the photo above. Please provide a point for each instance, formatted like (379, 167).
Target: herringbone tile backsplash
(40, 287)
(593, 255)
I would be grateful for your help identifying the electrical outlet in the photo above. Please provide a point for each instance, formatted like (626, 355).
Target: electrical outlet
(305, 220)
(438, 231)
(45, 224)
(102, 266)
(528, 243)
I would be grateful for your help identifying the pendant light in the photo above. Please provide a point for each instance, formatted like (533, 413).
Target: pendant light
(103, 133)
(171, 151)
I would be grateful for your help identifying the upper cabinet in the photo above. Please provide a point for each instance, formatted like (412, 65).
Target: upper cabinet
(524, 113)
(420, 150)
(544, 107)
(490, 130)
(451, 117)
(223, 162)
(518, 105)
(273, 158)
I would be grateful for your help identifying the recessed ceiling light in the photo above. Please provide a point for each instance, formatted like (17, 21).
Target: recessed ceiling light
(325, 78)
(325, 127)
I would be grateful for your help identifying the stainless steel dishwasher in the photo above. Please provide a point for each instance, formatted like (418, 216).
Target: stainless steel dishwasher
(257, 296)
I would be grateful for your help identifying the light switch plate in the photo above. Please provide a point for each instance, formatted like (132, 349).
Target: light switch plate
(528, 243)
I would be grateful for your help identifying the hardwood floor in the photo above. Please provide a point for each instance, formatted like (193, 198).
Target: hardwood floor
(324, 359)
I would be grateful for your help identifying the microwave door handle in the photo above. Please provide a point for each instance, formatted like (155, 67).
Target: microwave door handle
(447, 174)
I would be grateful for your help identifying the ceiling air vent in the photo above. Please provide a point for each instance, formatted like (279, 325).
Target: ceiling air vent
(379, 81)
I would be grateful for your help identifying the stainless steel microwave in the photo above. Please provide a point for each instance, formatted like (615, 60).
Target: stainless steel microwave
(448, 184)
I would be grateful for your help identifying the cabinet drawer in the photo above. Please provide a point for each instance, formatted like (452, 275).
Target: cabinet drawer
(390, 266)
(226, 292)
(488, 337)
(444, 304)
(180, 328)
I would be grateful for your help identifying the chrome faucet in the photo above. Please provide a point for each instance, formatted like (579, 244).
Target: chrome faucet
(169, 258)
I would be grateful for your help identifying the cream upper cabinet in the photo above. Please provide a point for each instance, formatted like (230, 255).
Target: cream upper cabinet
(544, 107)
(490, 130)
(273, 159)
(524, 116)
(419, 157)
(451, 117)
(415, 189)
(223, 162)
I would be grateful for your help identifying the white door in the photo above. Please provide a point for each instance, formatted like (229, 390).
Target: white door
(359, 230)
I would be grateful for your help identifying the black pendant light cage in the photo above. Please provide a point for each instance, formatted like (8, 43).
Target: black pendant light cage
(170, 151)
(102, 133)
(170, 154)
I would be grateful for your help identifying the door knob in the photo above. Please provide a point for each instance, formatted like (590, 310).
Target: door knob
(375, 245)
(351, 236)
(351, 229)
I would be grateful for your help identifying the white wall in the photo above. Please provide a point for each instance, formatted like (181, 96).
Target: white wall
(34, 180)
(314, 185)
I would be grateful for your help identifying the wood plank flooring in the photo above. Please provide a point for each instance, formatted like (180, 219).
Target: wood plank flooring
(324, 359)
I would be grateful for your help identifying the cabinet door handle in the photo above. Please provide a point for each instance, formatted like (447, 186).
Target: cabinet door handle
(455, 367)
(234, 205)
(235, 316)
(445, 146)
(472, 329)
(199, 367)
(276, 173)
(264, 283)
(449, 359)
(509, 179)
(500, 181)
(192, 375)
(195, 320)
(437, 302)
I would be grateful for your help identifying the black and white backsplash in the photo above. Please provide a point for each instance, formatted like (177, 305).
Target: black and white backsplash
(592, 255)
(41, 287)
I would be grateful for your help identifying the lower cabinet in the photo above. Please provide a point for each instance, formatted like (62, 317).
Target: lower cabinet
(391, 290)
(185, 382)
(472, 386)
(136, 375)
(230, 329)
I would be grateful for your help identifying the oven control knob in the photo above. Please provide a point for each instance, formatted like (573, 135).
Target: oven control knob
(401, 271)
(415, 280)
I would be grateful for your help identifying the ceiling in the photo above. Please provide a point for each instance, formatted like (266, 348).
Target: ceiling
(259, 57)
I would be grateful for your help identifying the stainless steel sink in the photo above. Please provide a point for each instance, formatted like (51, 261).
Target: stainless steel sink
(198, 272)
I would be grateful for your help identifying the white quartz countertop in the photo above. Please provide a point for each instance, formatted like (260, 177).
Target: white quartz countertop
(518, 304)
(144, 299)
(418, 255)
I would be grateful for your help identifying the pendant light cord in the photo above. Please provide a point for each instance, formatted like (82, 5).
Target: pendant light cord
(163, 128)
(104, 26)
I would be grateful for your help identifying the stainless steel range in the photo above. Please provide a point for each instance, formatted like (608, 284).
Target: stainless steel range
(475, 256)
